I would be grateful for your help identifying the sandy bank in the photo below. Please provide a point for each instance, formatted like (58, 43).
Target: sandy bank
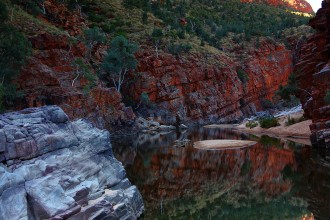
(298, 130)
(223, 144)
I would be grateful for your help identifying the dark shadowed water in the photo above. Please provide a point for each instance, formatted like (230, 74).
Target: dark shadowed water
(275, 179)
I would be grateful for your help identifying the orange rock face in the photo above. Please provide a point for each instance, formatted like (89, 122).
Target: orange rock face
(208, 88)
(297, 5)
(48, 80)
(314, 76)
(61, 16)
(195, 87)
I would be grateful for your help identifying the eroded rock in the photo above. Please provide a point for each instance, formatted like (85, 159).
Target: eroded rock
(53, 168)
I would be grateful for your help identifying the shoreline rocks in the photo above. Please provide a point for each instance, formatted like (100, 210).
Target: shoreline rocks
(53, 168)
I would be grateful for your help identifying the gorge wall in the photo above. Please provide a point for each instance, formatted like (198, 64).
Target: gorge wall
(190, 87)
(51, 168)
(51, 78)
(314, 75)
(207, 88)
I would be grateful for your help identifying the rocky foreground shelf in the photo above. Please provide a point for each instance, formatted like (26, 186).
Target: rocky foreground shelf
(53, 168)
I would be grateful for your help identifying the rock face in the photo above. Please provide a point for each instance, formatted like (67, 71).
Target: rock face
(297, 5)
(314, 75)
(208, 88)
(48, 80)
(53, 168)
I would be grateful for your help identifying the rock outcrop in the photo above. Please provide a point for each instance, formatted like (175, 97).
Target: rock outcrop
(208, 88)
(314, 75)
(53, 168)
(50, 78)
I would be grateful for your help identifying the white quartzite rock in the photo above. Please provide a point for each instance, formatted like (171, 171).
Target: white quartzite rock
(51, 168)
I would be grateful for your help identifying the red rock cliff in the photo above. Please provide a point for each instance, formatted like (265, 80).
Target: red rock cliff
(50, 77)
(207, 86)
(314, 76)
(48, 80)
(202, 87)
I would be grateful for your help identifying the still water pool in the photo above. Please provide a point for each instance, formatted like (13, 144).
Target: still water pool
(274, 179)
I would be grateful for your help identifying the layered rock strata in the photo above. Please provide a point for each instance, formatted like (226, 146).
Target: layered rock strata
(209, 88)
(53, 168)
(51, 78)
(314, 75)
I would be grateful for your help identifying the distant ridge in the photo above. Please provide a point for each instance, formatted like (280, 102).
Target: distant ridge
(297, 5)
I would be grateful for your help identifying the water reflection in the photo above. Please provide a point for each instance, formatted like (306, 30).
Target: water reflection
(275, 179)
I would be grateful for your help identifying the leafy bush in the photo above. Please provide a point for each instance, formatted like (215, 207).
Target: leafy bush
(31, 6)
(96, 17)
(327, 98)
(93, 36)
(3, 12)
(268, 122)
(266, 104)
(285, 92)
(177, 49)
(119, 61)
(85, 70)
(243, 76)
(145, 100)
(14, 50)
(292, 121)
(251, 124)
(145, 17)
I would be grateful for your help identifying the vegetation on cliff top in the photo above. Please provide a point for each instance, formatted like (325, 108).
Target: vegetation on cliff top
(14, 50)
(119, 61)
(211, 21)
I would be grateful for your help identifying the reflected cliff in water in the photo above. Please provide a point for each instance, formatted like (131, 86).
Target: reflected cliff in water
(275, 179)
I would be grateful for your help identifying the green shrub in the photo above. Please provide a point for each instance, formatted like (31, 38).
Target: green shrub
(144, 98)
(292, 121)
(96, 18)
(31, 6)
(119, 61)
(14, 50)
(213, 20)
(266, 104)
(268, 122)
(3, 12)
(251, 124)
(285, 92)
(243, 76)
(327, 98)
(145, 17)
(82, 68)
(177, 49)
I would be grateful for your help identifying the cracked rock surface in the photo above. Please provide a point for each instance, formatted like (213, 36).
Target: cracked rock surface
(51, 168)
